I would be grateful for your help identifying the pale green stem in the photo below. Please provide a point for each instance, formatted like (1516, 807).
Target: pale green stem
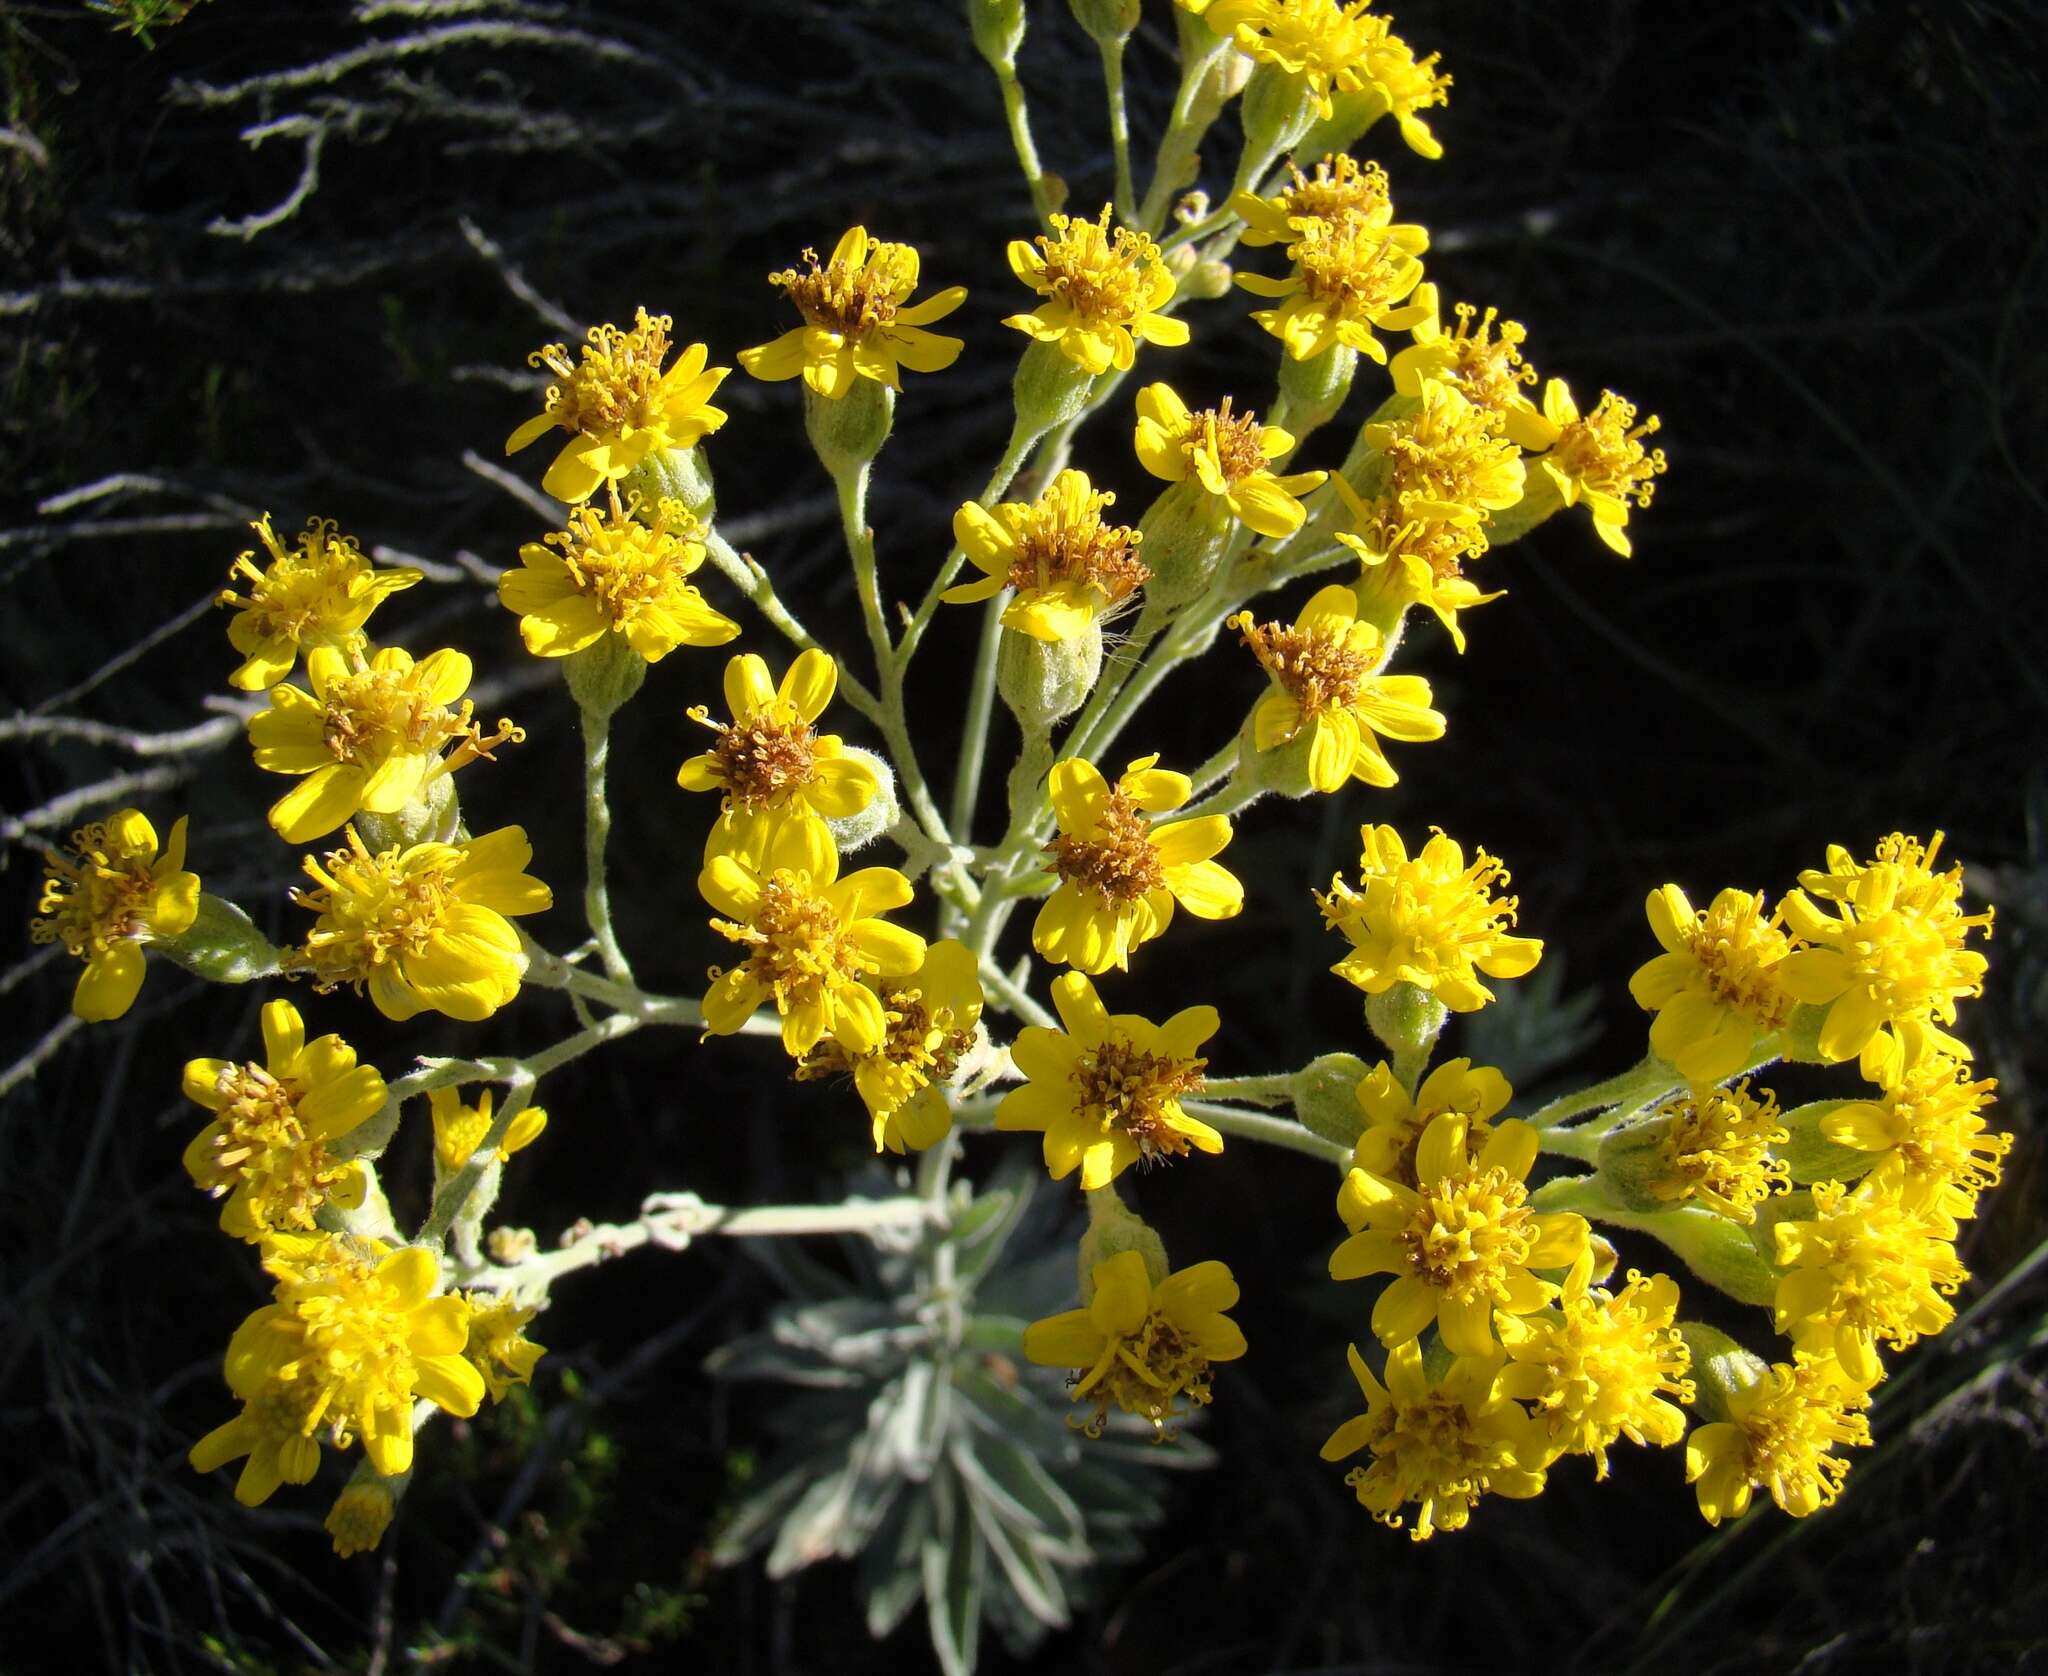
(1218, 767)
(1271, 1131)
(1018, 448)
(1180, 143)
(1274, 1090)
(752, 581)
(981, 700)
(1630, 1090)
(1014, 996)
(1119, 129)
(1582, 1143)
(852, 484)
(1226, 801)
(1018, 118)
(597, 826)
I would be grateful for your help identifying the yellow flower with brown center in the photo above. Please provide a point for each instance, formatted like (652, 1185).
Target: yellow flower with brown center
(1348, 278)
(1717, 989)
(112, 894)
(1931, 1118)
(1340, 190)
(855, 322)
(1602, 1365)
(1598, 459)
(810, 937)
(1324, 671)
(930, 1019)
(1103, 288)
(267, 1150)
(1714, 1145)
(1780, 1435)
(459, 1130)
(497, 1345)
(424, 926)
(1141, 1347)
(618, 405)
(319, 592)
(1873, 1265)
(1067, 565)
(1430, 920)
(1228, 454)
(1120, 874)
(369, 738)
(360, 1516)
(1395, 1119)
(610, 573)
(1461, 1243)
(1438, 1447)
(1480, 357)
(1107, 1090)
(1890, 961)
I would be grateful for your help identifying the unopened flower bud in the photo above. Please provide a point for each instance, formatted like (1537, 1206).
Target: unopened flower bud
(1107, 21)
(1045, 681)
(848, 431)
(681, 474)
(1207, 280)
(1325, 1096)
(998, 27)
(430, 818)
(1049, 389)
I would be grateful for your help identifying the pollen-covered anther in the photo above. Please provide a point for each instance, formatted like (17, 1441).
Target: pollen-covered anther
(1137, 1092)
(1237, 440)
(1321, 669)
(761, 757)
(851, 298)
(796, 940)
(1119, 863)
(612, 383)
(1072, 544)
(1486, 357)
(1604, 451)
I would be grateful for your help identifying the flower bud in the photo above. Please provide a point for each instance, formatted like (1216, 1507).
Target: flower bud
(1407, 1019)
(1721, 1368)
(1278, 110)
(604, 675)
(1325, 1096)
(1811, 1155)
(1045, 681)
(1206, 280)
(848, 430)
(674, 474)
(1049, 389)
(998, 27)
(1184, 540)
(431, 818)
(1113, 1227)
(850, 832)
(1314, 389)
(1108, 21)
(222, 944)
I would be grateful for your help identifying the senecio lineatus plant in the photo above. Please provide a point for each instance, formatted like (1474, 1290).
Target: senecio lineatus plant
(1500, 1334)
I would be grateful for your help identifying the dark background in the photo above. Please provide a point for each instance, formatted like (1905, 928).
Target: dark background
(1808, 235)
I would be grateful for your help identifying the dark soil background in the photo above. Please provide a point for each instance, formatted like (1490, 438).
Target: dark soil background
(1809, 235)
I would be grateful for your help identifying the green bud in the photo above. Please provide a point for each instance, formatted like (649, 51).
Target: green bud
(1049, 389)
(1722, 1253)
(850, 832)
(848, 431)
(604, 675)
(1206, 280)
(1108, 21)
(1810, 1155)
(1278, 110)
(1186, 531)
(1114, 1227)
(1315, 389)
(1407, 1019)
(998, 27)
(222, 945)
(434, 817)
(1325, 1096)
(1045, 681)
(1721, 1368)
(674, 474)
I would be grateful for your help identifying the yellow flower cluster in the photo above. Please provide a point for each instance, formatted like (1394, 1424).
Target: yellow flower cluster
(1104, 288)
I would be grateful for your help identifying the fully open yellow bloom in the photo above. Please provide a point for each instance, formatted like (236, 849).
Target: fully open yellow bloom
(368, 737)
(360, 1516)
(617, 404)
(1780, 1436)
(1461, 1243)
(1227, 453)
(318, 593)
(1107, 1090)
(1341, 190)
(1335, 46)
(930, 1017)
(1325, 682)
(1602, 1364)
(355, 1336)
(1120, 875)
(1480, 357)
(1348, 278)
(1103, 289)
(1395, 1119)
(422, 926)
(609, 573)
(497, 1345)
(267, 1149)
(1889, 961)
(1598, 459)
(1874, 1264)
(1067, 565)
(810, 936)
(855, 322)
(1714, 1146)
(459, 1130)
(1717, 989)
(1140, 1347)
(1930, 1118)
(112, 894)
(1431, 920)
(1440, 1447)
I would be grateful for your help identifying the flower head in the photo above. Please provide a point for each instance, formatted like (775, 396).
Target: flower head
(1930, 1117)
(425, 926)
(1228, 454)
(1395, 1119)
(1429, 920)
(459, 1130)
(1716, 989)
(1480, 357)
(1341, 190)
(617, 404)
(1599, 458)
(1780, 1435)
(1325, 683)
(1067, 565)
(1713, 1146)
(113, 893)
(1348, 278)
(1107, 1089)
(855, 322)
(1141, 1347)
(267, 1150)
(1103, 288)
(497, 1345)
(318, 593)
(1120, 874)
(360, 1516)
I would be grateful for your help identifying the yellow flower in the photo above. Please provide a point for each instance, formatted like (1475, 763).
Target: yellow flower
(1140, 1347)
(1395, 1120)
(320, 593)
(1482, 362)
(1890, 960)
(355, 1336)
(1601, 1365)
(1440, 1446)
(612, 574)
(1323, 670)
(1119, 874)
(1431, 921)
(1323, 43)
(1407, 86)
(111, 895)
(1713, 1145)
(1874, 1264)
(1461, 1243)
(1107, 1090)
(618, 406)
(424, 926)
(811, 937)
(1419, 562)
(1226, 453)
(1067, 565)
(360, 1516)
(1717, 988)
(368, 737)
(1348, 278)
(266, 1149)
(497, 1345)
(855, 324)
(1103, 288)
(459, 1130)
(930, 1024)
(1340, 190)
(1598, 459)
(1780, 1435)
(1931, 1118)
